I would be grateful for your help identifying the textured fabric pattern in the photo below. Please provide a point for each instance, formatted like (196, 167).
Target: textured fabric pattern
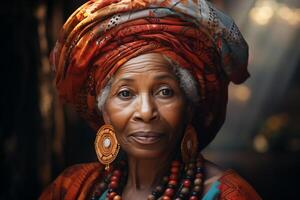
(233, 187)
(74, 183)
(103, 34)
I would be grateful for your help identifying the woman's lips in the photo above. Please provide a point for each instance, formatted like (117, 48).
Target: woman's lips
(146, 137)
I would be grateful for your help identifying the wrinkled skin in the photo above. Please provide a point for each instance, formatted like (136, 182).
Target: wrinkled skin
(146, 107)
(149, 113)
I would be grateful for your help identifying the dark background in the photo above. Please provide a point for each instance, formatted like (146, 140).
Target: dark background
(39, 137)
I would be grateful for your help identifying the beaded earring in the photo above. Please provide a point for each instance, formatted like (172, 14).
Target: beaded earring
(106, 145)
(189, 144)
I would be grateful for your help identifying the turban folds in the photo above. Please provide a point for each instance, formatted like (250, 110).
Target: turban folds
(102, 35)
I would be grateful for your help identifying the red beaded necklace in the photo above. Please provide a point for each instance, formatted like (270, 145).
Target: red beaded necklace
(184, 182)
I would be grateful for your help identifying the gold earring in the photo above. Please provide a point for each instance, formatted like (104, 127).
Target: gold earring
(189, 144)
(106, 145)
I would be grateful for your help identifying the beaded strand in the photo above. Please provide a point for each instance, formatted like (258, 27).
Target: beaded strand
(173, 186)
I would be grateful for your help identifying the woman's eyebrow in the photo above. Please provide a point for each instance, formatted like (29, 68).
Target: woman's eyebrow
(165, 76)
(125, 79)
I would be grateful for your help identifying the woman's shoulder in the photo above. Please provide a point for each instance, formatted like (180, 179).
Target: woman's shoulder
(234, 187)
(227, 184)
(73, 183)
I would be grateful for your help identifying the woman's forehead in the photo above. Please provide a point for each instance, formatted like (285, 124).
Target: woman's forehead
(145, 64)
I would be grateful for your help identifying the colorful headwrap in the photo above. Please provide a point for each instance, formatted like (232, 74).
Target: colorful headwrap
(102, 35)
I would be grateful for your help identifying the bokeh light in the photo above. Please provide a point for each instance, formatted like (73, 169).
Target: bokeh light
(264, 10)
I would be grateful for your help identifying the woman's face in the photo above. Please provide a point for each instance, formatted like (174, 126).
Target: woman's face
(146, 107)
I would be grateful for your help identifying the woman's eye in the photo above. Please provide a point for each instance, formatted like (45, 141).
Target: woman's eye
(165, 92)
(125, 94)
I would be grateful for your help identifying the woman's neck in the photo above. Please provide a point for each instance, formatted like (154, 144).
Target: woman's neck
(143, 176)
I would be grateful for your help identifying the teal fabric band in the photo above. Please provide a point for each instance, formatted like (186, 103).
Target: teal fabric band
(213, 192)
(103, 195)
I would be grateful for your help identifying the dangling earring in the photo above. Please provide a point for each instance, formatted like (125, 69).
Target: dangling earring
(106, 145)
(189, 144)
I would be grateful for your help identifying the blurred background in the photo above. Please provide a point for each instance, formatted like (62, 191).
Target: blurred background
(260, 139)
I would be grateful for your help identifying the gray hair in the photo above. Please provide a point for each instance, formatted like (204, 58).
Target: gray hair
(186, 81)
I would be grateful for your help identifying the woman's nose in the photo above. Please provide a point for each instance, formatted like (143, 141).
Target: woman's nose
(146, 109)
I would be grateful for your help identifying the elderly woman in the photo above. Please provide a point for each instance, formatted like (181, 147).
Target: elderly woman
(151, 76)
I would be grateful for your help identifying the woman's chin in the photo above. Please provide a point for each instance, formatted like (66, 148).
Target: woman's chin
(145, 153)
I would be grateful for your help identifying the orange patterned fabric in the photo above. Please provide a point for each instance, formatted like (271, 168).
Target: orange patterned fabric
(233, 187)
(77, 181)
(74, 183)
(103, 34)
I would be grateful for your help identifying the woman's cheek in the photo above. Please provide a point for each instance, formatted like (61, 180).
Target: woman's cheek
(173, 113)
(120, 114)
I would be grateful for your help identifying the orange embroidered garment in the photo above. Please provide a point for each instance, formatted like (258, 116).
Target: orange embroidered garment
(77, 182)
